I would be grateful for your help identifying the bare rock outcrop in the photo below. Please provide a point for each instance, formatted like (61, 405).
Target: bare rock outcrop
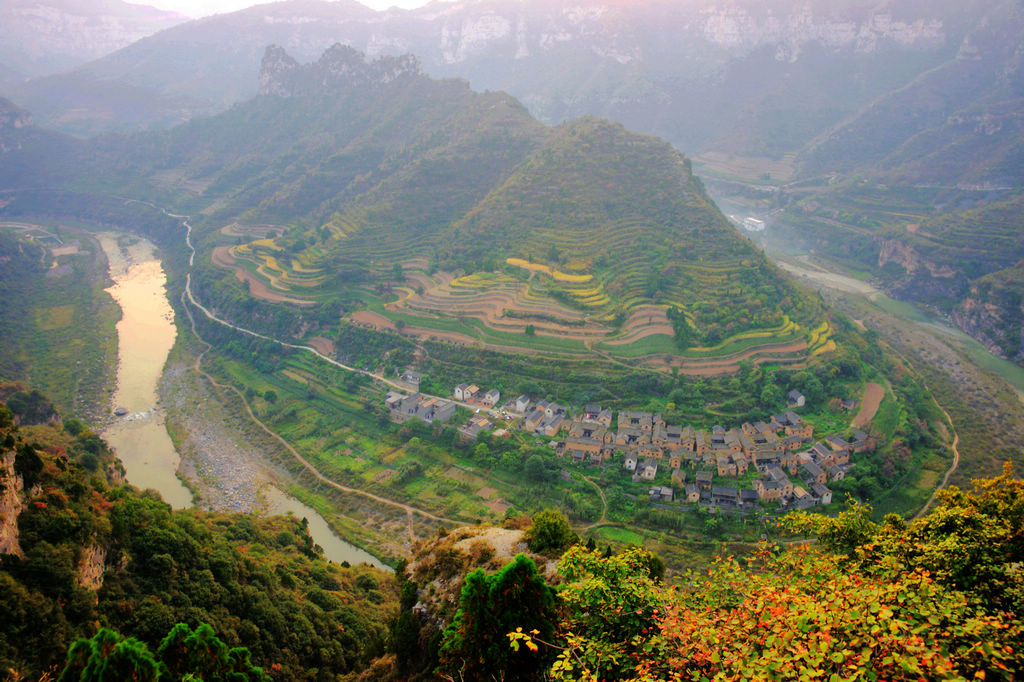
(91, 566)
(11, 504)
(339, 68)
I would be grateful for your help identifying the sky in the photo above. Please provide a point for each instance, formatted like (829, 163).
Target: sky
(202, 8)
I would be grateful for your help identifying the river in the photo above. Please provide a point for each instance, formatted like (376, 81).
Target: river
(145, 336)
(139, 437)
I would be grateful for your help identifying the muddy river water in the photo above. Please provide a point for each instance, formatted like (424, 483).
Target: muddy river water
(138, 433)
(145, 335)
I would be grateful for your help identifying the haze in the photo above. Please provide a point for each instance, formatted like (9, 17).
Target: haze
(202, 8)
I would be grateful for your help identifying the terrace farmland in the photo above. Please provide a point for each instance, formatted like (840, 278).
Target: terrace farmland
(515, 310)
(474, 224)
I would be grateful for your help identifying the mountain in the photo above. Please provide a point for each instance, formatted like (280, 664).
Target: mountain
(349, 178)
(46, 36)
(736, 76)
(923, 186)
(957, 124)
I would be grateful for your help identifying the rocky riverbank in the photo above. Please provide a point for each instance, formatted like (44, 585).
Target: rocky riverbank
(221, 464)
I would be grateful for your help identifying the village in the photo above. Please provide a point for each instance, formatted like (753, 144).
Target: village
(682, 464)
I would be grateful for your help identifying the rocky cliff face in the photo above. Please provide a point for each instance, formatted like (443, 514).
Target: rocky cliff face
(993, 313)
(922, 281)
(621, 32)
(904, 255)
(13, 117)
(91, 566)
(695, 73)
(339, 67)
(13, 120)
(11, 504)
(45, 36)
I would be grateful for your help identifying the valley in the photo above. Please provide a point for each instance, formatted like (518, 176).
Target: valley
(517, 339)
(638, 300)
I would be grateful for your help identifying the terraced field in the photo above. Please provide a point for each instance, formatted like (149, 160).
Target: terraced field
(532, 307)
(589, 240)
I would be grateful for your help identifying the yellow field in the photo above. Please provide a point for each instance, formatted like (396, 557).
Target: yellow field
(818, 335)
(788, 327)
(827, 348)
(557, 275)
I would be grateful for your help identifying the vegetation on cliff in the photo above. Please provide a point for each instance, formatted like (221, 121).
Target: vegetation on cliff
(90, 553)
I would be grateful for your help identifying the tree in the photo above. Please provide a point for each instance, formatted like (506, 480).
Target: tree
(713, 527)
(771, 395)
(109, 658)
(200, 653)
(550, 532)
(184, 654)
(610, 601)
(270, 395)
(972, 542)
(475, 646)
(535, 469)
(397, 273)
(530, 330)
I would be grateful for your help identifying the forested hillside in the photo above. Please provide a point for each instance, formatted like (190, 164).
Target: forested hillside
(58, 324)
(80, 550)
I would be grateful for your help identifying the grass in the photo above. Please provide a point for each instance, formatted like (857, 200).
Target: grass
(56, 317)
(65, 343)
(888, 417)
(620, 535)
(649, 345)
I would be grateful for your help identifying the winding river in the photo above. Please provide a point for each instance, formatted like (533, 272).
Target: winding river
(145, 336)
(138, 433)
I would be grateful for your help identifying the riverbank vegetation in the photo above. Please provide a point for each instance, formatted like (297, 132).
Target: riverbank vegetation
(57, 322)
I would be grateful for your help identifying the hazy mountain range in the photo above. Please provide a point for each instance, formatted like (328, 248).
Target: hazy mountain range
(40, 37)
(736, 75)
(371, 163)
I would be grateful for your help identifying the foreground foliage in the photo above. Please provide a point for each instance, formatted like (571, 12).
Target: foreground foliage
(183, 654)
(936, 598)
(514, 597)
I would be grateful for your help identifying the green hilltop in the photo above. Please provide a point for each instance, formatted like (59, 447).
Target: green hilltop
(367, 189)
(456, 214)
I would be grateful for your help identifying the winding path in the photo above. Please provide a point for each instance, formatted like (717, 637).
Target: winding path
(187, 293)
(949, 472)
(604, 503)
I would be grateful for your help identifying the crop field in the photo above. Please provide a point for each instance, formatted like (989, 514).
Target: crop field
(527, 305)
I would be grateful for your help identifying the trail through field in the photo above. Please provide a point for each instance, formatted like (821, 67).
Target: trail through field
(949, 472)
(188, 297)
(604, 503)
(409, 509)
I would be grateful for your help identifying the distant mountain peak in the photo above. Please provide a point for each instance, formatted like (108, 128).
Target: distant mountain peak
(340, 67)
(13, 116)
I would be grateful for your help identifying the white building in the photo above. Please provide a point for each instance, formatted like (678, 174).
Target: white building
(753, 224)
